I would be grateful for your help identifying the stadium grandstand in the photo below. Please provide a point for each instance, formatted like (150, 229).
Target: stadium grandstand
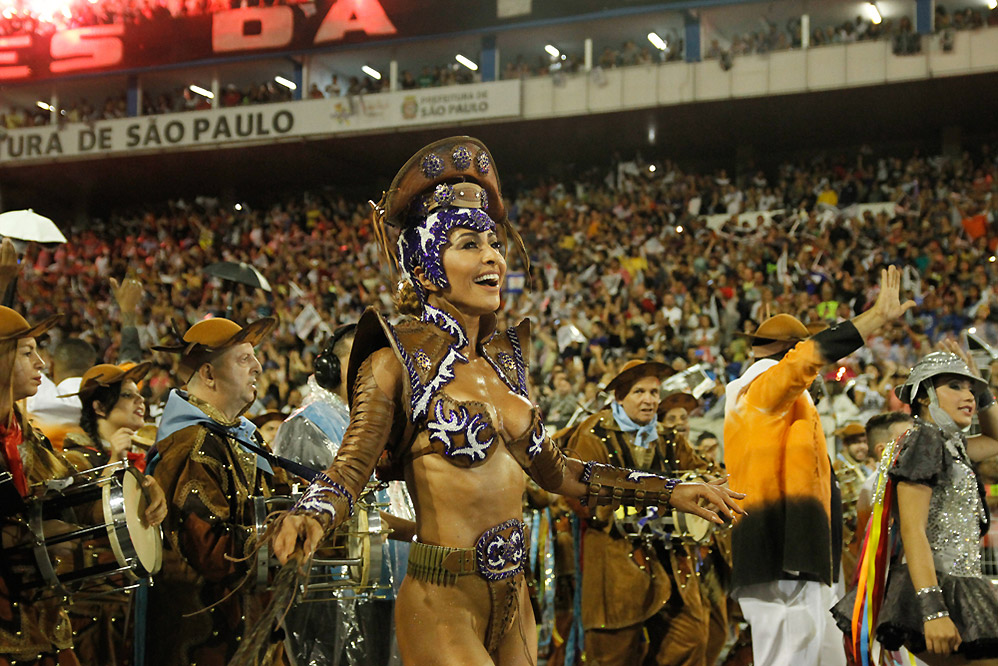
(679, 171)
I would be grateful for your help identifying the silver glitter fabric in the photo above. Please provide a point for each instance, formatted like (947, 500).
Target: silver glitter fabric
(955, 516)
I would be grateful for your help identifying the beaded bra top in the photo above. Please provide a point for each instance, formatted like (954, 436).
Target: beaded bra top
(428, 348)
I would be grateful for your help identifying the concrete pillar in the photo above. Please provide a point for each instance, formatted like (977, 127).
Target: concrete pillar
(393, 75)
(691, 23)
(488, 65)
(298, 77)
(133, 96)
(925, 16)
(306, 74)
(805, 31)
(588, 53)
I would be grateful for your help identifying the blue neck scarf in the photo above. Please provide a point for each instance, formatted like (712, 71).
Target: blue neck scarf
(179, 413)
(645, 434)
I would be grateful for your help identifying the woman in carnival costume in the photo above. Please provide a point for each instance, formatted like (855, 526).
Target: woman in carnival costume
(439, 399)
(928, 592)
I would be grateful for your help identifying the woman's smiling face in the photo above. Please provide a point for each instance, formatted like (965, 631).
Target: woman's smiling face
(130, 410)
(956, 398)
(475, 267)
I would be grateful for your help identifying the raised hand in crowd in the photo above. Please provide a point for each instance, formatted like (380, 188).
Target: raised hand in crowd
(128, 295)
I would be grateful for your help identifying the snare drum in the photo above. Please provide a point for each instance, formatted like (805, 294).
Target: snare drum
(88, 535)
(350, 561)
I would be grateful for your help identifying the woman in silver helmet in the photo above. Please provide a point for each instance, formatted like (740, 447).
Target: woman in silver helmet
(937, 602)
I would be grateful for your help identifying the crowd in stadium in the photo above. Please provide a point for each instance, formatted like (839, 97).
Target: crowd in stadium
(676, 285)
(905, 41)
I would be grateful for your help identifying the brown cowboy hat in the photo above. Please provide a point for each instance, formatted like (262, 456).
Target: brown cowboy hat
(14, 327)
(637, 369)
(677, 399)
(454, 159)
(106, 374)
(850, 430)
(205, 339)
(779, 328)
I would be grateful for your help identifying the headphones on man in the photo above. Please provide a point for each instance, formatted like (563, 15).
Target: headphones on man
(326, 367)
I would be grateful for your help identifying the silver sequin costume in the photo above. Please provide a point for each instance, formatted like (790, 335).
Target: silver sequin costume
(957, 519)
(954, 532)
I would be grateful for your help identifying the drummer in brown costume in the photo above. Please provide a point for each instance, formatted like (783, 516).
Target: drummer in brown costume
(715, 571)
(444, 395)
(209, 476)
(851, 472)
(32, 630)
(112, 411)
(633, 588)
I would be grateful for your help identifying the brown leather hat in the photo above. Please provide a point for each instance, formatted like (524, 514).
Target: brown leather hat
(677, 399)
(637, 369)
(14, 327)
(106, 374)
(454, 159)
(205, 339)
(850, 430)
(779, 328)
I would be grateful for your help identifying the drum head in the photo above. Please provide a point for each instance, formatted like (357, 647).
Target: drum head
(359, 547)
(694, 527)
(146, 541)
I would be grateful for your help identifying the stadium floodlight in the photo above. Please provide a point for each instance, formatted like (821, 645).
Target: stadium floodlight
(43, 105)
(992, 4)
(873, 13)
(370, 71)
(552, 50)
(467, 62)
(657, 41)
(201, 91)
(290, 85)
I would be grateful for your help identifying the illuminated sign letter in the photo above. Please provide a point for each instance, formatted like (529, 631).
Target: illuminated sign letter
(8, 56)
(252, 28)
(345, 16)
(86, 48)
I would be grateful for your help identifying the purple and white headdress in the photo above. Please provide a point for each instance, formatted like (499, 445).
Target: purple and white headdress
(448, 207)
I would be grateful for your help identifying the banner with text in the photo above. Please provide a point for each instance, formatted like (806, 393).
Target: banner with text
(264, 123)
(289, 27)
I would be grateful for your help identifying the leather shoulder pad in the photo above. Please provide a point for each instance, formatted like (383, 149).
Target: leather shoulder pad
(508, 352)
(371, 335)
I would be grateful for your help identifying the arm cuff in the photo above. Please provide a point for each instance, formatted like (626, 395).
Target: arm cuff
(838, 341)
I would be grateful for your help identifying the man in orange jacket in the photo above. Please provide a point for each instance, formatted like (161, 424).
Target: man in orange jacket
(785, 556)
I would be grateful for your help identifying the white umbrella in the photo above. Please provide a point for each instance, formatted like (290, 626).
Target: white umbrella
(29, 226)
